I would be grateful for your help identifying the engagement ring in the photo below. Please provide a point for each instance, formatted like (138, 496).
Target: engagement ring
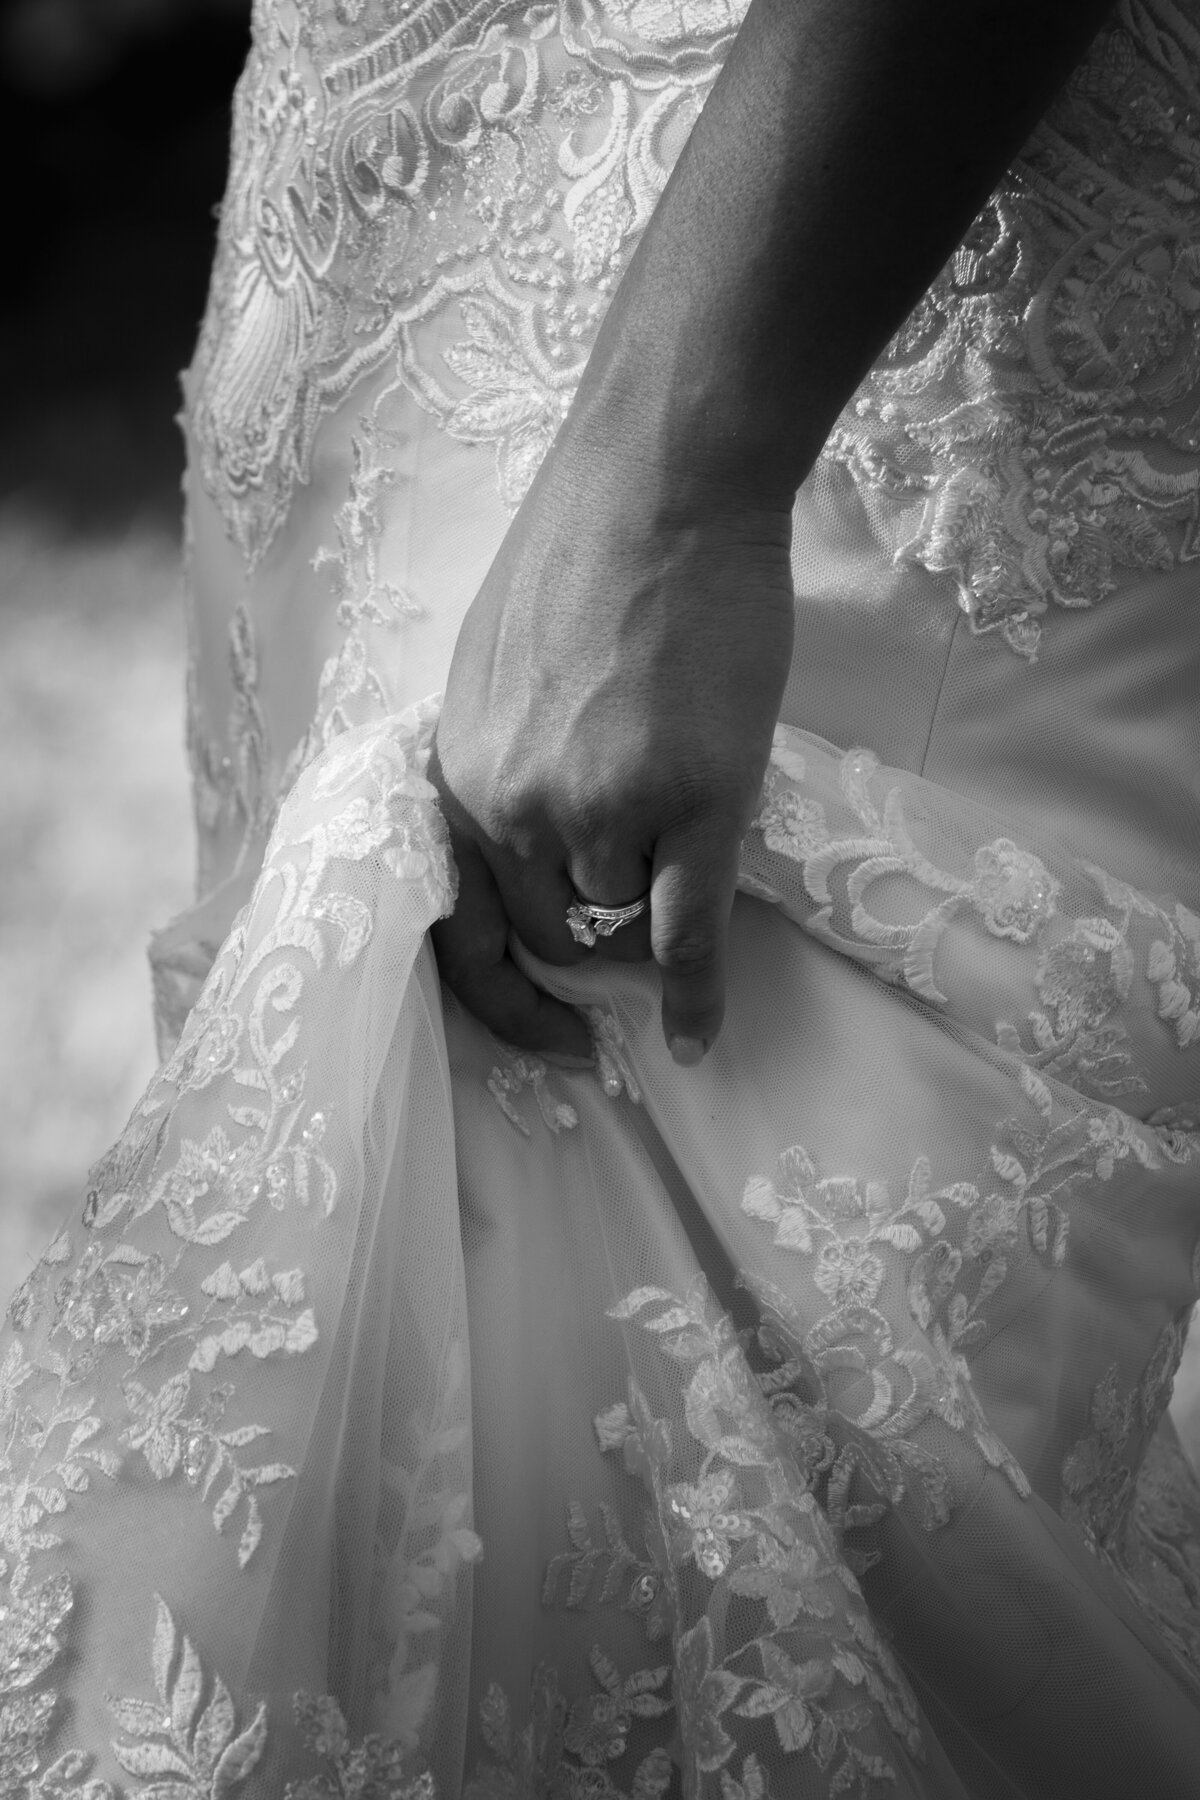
(588, 922)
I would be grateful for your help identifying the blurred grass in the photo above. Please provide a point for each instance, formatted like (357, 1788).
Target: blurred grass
(114, 123)
(95, 847)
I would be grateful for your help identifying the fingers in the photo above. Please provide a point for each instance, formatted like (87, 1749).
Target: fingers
(617, 881)
(535, 898)
(473, 959)
(695, 875)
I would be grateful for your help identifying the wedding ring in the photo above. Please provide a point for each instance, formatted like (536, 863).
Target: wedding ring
(587, 922)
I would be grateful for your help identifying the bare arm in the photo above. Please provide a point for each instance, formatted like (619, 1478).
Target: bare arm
(845, 148)
(613, 692)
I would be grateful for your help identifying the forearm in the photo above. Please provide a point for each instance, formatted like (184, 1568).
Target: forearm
(843, 151)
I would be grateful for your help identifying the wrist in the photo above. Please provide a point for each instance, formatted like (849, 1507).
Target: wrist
(672, 453)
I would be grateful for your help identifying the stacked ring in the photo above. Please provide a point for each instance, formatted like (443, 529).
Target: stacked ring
(587, 922)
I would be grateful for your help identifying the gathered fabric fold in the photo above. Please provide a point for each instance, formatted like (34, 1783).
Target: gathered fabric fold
(403, 1412)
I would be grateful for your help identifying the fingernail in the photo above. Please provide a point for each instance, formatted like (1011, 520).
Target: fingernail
(562, 1060)
(687, 1052)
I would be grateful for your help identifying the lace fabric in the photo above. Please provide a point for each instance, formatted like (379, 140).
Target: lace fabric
(856, 1412)
(402, 1416)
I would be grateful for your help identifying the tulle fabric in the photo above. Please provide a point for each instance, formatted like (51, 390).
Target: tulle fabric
(628, 1428)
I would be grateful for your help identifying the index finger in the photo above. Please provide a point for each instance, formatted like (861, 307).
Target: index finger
(695, 876)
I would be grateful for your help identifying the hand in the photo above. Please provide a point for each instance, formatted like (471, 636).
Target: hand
(606, 726)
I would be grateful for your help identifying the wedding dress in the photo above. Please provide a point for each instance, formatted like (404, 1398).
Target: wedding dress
(402, 1416)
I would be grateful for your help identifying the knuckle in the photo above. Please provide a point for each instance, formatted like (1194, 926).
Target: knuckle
(687, 951)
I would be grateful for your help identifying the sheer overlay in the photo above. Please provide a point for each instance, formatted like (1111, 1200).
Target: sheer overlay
(403, 1417)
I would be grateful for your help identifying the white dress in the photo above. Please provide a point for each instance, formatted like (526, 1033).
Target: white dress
(400, 1416)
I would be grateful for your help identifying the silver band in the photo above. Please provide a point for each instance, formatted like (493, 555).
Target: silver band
(587, 922)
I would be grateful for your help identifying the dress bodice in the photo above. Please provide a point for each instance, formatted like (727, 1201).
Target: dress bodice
(430, 204)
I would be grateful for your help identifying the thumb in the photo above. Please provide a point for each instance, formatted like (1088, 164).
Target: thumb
(695, 875)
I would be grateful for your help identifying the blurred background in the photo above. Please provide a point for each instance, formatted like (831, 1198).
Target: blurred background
(114, 121)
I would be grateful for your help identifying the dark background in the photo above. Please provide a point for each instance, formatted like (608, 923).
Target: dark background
(114, 124)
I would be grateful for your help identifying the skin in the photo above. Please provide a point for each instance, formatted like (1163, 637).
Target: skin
(611, 700)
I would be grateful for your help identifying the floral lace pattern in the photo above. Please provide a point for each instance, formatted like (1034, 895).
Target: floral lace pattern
(1091, 1019)
(494, 164)
(950, 1249)
(477, 159)
(186, 1744)
(1035, 419)
(810, 1664)
(121, 1350)
(811, 1661)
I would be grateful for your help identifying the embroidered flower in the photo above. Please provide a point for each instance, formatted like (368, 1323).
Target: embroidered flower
(1079, 983)
(369, 1768)
(212, 1169)
(711, 1523)
(597, 1729)
(792, 824)
(1013, 892)
(784, 1578)
(847, 1270)
(134, 1302)
(212, 1053)
(156, 1428)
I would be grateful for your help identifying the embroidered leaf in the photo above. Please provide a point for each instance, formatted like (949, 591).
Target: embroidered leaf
(227, 1502)
(267, 1339)
(163, 1650)
(251, 1118)
(215, 1727)
(108, 1210)
(1037, 1091)
(797, 1170)
(581, 1579)
(240, 1757)
(301, 1333)
(604, 1669)
(930, 1215)
(762, 1701)
(674, 1319)
(252, 1535)
(138, 1717)
(742, 1451)
(849, 1665)
(578, 1529)
(1160, 962)
(185, 1694)
(613, 1426)
(645, 1681)
(216, 1228)
(1008, 1168)
(495, 1723)
(151, 1759)
(792, 1231)
(634, 1302)
(653, 1776)
(794, 1723)
(243, 1434)
(900, 1235)
(760, 1200)
(267, 1473)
